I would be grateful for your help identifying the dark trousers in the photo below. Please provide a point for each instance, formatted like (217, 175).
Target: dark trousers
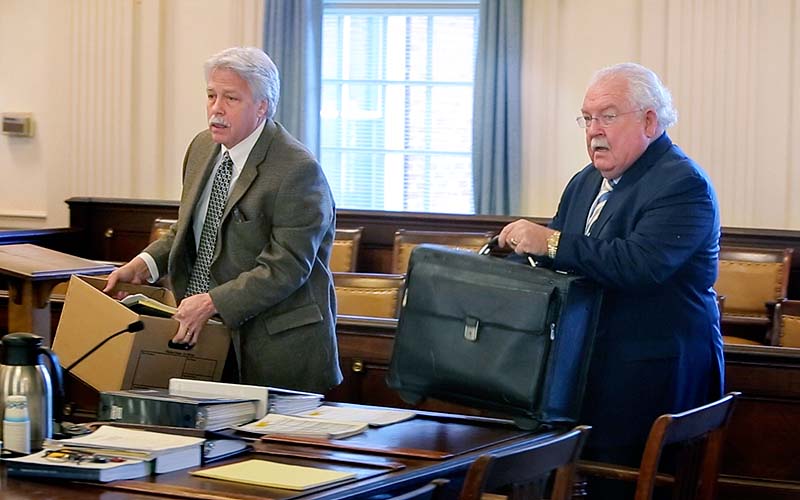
(230, 371)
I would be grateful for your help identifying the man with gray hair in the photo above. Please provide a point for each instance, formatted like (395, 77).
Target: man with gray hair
(641, 220)
(254, 235)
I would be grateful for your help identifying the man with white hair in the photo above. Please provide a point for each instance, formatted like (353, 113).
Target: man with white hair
(254, 235)
(642, 221)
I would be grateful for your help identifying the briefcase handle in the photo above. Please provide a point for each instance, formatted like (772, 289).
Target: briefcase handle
(493, 244)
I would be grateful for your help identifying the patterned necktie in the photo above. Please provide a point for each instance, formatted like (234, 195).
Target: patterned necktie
(599, 203)
(199, 281)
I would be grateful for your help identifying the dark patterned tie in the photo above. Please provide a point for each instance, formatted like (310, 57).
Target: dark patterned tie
(599, 203)
(199, 280)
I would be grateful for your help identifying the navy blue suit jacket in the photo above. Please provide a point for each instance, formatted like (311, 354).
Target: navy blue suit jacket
(654, 250)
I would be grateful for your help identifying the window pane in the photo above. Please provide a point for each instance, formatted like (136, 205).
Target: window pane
(396, 113)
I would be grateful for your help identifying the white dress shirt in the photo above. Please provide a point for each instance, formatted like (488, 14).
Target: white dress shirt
(239, 154)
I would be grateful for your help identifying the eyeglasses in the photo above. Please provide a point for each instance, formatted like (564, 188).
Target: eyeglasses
(605, 120)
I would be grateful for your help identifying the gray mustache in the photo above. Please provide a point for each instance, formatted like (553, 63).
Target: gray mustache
(217, 120)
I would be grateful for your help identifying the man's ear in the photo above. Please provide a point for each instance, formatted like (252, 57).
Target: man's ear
(262, 108)
(650, 123)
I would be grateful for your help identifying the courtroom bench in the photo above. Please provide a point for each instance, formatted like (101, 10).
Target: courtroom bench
(116, 229)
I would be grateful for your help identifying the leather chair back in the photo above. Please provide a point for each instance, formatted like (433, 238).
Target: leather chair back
(371, 295)
(751, 277)
(752, 280)
(344, 256)
(405, 241)
(786, 332)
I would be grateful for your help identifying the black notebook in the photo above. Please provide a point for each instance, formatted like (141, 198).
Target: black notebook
(77, 466)
(159, 407)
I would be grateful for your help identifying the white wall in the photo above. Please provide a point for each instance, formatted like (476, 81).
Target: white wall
(734, 70)
(116, 90)
(564, 42)
(28, 83)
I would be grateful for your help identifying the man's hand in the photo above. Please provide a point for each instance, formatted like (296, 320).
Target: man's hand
(134, 272)
(193, 313)
(524, 236)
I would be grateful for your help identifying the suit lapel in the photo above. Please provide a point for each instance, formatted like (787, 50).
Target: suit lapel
(626, 184)
(196, 179)
(196, 175)
(587, 199)
(251, 166)
(582, 201)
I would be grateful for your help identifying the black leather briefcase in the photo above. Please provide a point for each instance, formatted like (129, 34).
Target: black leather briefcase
(494, 334)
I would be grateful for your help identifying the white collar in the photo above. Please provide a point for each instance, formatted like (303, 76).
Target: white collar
(240, 152)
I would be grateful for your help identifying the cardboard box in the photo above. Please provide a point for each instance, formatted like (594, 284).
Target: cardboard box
(131, 360)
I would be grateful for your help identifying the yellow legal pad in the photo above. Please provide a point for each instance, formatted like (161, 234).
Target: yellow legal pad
(275, 475)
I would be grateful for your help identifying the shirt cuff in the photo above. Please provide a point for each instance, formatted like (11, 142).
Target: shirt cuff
(151, 266)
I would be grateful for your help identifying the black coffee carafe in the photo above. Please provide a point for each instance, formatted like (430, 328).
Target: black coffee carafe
(22, 373)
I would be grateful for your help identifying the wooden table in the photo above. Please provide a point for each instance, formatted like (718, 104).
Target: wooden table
(32, 272)
(389, 472)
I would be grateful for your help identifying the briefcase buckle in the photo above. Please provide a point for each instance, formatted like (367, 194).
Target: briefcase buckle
(471, 329)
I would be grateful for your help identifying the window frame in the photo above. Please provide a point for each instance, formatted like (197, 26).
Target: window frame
(378, 201)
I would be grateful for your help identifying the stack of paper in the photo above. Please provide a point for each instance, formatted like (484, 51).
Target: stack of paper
(292, 404)
(275, 475)
(375, 417)
(288, 402)
(205, 388)
(169, 452)
(287, 425)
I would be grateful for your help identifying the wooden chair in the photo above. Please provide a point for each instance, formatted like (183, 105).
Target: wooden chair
(521, 473)
(344, 255)
(431, 491)
(405, 241)
(160, 228)
(752, 280)
(372, 295)
(696, 436)
(786, 324)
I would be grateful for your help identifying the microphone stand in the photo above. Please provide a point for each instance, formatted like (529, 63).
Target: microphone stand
(132, 328)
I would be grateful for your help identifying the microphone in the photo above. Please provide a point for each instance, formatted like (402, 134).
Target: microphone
(131, 328)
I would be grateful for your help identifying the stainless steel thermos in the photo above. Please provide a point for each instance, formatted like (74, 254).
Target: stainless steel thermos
(22, 374)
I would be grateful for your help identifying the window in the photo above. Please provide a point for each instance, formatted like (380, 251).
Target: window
(396, 115)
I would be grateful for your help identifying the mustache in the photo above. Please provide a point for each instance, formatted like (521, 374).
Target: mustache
(599, 142)
(217, 120)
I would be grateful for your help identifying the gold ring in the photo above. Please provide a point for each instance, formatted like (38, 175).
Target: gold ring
(513, 242)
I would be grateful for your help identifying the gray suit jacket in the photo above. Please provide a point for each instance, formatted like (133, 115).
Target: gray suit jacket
(269, 276)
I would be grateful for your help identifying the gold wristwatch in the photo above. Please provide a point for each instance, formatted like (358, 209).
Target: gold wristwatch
(552, 244)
